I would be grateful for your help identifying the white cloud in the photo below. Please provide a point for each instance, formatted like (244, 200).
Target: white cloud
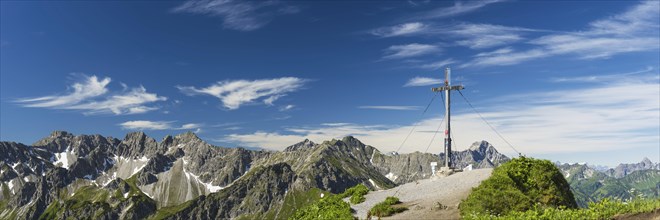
(495, 52)
(235, 93)
(595, 119)
(399, 30)
(457, 9)
(390, 107)
(90, 96)
(506, 58)
(409, 50)
(89, 87)
(613, 78)
(282, 117)
(238, 15)
(157, 125)
(637, 20)
(487, 41)
(336, 124)
(286, 108)
(589, 47)
(635, 30)
(418, 3)
(422, 81)
(481, 36)
(146, 125)
(437, 65)
(190, 126)
(474, 36)
(131, 102)
(468, 29)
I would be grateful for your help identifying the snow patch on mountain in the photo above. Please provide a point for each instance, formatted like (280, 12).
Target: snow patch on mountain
(11, 186)
(210, 187)
(65, 158)
(391, 176)
(374, 184)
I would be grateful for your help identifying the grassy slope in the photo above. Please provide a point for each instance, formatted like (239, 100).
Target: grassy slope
(93, 197)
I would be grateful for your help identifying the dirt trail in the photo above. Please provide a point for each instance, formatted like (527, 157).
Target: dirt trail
(422, 197)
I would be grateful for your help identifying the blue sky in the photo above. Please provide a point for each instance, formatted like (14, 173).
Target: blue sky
(569, 81)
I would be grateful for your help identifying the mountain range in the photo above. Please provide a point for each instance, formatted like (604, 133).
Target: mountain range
(183, 177)
(626, 181)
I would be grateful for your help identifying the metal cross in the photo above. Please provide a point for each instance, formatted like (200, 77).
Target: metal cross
(447, 88)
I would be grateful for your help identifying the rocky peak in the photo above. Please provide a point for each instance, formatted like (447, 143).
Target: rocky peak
(480, 154)
(57, 141)
(167, 140)
(623, 170)
(137, 136)
(352, 141)
(306, 144)
(59, 134)
(187, 137)
(137, 144)
(480, 146)
(646, 163)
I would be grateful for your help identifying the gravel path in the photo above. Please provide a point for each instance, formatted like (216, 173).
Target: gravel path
(422, 196)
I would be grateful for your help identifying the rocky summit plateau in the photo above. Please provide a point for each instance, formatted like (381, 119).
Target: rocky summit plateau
(181, 177)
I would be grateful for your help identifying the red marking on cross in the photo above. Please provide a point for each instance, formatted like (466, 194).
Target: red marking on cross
(446, 132)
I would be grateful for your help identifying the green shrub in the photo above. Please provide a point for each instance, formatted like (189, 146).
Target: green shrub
(385, 208)
(356, 193)
(332, 206)
(519, 185)
(329, 207)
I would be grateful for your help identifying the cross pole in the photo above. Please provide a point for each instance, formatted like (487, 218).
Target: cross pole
(447, 88)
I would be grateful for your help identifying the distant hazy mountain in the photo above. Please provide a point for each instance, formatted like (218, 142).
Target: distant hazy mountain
(92, 176)
(623, 170)
(626, 181)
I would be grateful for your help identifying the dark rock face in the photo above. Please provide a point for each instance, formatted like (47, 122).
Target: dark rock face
(138, 144)
(404, 168)
(118, 184)
(347, 162)
(254, 194)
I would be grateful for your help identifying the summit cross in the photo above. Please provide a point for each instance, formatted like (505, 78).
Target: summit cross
(447, 88)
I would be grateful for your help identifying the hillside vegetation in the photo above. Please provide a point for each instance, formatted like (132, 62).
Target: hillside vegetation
(519, 185)
(332, 206)
(605, 209)
(639, 184)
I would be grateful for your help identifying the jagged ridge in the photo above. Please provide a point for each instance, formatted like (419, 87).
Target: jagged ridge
(183, 172)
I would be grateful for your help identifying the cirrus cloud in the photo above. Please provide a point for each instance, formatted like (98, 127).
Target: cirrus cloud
(634, 30)
(157, 125)
(238, 15)
(422, 81)
(89, 95)
(409, 50)
(400, 30)
(234, 93)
